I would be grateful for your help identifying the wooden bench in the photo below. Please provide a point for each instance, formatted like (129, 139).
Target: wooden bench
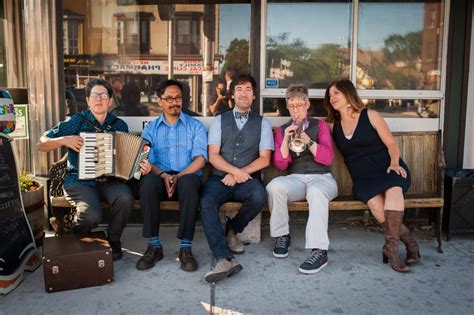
(421, 151)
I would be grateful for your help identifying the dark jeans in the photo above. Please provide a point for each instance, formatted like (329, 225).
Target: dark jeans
(253, 196)
(89, 211)
(152, 190)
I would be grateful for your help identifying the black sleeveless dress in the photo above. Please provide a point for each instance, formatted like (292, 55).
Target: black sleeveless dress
(367, 160)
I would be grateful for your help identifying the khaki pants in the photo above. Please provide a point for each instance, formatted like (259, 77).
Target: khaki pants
(317, 189)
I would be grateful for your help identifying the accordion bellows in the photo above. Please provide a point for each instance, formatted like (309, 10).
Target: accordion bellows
(115, 154)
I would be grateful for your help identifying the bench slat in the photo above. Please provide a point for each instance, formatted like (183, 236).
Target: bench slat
(415, 202)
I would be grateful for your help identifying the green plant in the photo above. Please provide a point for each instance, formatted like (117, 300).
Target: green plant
(26, 182)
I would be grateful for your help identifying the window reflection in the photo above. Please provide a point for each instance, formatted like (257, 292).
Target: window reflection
(404, 53)
(308, 43)
(393, 108)
(276, 107)
(405, 108)
(127, 43)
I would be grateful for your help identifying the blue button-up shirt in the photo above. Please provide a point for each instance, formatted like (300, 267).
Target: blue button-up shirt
(174, 147)
(72, 127)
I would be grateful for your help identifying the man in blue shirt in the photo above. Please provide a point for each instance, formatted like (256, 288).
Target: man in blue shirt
(174, 168)
(240, 145)
(86, 194)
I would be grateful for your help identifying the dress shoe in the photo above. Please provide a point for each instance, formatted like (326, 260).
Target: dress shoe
(150, 258)
(223, 269)
(116, 247)
(187, 260)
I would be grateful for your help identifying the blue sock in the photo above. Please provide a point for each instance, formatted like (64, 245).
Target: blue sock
(154, 242)
(185, 243)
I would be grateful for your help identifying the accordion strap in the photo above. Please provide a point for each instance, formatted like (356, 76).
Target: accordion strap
(97, 128)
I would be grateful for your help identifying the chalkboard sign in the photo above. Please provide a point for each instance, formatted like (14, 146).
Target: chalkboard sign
(18, 251)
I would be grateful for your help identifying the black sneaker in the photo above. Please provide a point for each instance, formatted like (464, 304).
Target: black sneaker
(282, 244)
(315, 262)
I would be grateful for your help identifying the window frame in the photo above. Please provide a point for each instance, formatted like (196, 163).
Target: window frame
(399, 124)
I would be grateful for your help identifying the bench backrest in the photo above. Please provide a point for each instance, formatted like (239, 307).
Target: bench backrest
(418, 149)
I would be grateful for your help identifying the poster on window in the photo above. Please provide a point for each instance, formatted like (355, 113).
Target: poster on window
(21, 127)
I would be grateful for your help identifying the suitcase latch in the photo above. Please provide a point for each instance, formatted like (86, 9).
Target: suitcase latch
(101, 263)
(55, 270)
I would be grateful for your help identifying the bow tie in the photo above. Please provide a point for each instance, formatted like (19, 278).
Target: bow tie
(239, 115)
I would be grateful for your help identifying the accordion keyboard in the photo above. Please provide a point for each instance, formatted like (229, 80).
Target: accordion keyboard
(96, 155)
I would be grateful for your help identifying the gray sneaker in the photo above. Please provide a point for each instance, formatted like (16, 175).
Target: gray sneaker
(235, 245)
(282, 245)
(222, 270)
(317, 260)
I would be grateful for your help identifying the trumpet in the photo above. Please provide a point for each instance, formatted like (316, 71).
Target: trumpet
(296, 144)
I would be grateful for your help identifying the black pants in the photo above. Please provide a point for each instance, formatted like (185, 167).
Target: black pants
(152, 190)
(89, 211)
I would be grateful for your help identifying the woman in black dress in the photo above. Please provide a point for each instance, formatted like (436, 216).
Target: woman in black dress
(379, 175)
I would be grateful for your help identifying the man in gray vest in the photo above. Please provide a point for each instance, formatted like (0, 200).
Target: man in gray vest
(240, 145)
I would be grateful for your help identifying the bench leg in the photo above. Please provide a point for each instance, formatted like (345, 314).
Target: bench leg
(252, 233)
(439, 227)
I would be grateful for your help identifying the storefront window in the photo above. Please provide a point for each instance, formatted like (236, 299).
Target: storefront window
(389, 108)
(307, 42)
(399, 45)
(127, 43)
(276, 107)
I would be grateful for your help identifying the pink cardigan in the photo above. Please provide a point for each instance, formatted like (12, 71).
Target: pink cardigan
(324, 154)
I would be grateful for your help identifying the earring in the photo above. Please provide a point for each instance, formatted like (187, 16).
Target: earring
(348, 105)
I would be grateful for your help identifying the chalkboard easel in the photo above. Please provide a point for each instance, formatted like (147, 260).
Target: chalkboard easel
(18, 251)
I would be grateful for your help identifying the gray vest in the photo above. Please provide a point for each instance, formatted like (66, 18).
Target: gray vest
(239, 147)
(304, 163)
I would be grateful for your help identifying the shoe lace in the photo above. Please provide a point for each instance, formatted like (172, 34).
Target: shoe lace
(314, 257)
(281, 242)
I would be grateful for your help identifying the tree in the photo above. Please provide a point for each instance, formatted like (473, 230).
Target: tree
(237, 56)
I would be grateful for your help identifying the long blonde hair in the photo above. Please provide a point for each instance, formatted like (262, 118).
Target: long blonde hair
(349, 91)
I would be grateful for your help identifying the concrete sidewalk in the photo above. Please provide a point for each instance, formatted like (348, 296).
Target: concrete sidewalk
(355, 281)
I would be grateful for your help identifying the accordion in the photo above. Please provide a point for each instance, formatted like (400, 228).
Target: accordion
(115, 154)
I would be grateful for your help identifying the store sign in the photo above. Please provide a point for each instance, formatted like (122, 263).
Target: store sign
(188, 67)
(271, 83)
(21, 127)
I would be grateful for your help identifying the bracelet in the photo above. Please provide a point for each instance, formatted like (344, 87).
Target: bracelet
(161, 173)
(310, 143)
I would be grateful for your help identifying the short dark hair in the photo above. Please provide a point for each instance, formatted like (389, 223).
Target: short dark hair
(241, 79)
(94, 82)
(165, 84)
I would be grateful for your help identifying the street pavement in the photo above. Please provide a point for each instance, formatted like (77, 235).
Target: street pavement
(355, 281)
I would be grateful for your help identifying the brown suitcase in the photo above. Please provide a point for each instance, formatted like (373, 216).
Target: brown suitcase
(73, 262)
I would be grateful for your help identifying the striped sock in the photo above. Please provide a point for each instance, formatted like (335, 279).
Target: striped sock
(154, 242)
(185, 243)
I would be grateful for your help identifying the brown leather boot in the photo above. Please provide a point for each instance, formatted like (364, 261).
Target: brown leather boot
(393, 221)
(413, 252)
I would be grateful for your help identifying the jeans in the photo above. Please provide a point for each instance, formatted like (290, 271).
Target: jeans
(89, 211)
(251, 194)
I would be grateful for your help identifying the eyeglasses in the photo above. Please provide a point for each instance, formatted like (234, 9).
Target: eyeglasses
(170, 99)
(102, 96)
(293, 107)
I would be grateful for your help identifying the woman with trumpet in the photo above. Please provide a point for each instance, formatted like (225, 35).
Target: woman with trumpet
(304, 147)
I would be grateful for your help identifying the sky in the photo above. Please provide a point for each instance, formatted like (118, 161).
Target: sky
(321, 23)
